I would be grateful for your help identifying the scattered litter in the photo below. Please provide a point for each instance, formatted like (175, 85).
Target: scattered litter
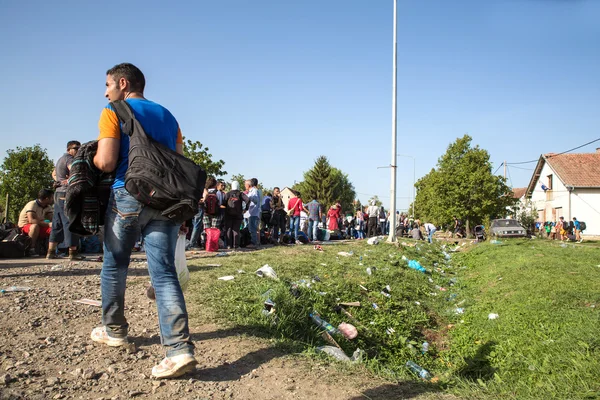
(317, 247)
(241, 271)
(493, 316)
(414, 264)
(500, 278)
(348, 330)
(385, 294)
(563, 245)
(438, 287)
(496, 241)
(459, 310)
(375, 306)
(373, 241)
(369, 271)
(418, 303)
(97, 259)
(212, 265)
(351, 304)
(15, 289)
(57, 267)
(316, 318)
(339, 354)
(266, 271)
(363, 288)
(222, 254)
(323, 264)
(389, 331)
(89, 302)
(424, 347)
(452, 296)
(418, 370)
(226, 278)
(345, 253)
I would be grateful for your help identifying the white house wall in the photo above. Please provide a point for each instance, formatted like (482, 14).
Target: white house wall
(585, 206)
(551, 204)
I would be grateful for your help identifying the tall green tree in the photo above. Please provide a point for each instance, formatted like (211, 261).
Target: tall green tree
(462, 185)
(198, 153)
(327, 184)
(23, 173)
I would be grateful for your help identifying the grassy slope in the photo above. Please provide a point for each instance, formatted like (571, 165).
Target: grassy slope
(544, 344)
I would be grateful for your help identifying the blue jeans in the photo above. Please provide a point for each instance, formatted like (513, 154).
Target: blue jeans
(253, 227)
(430, 235)
(125, 219)
(198, 227)
(60, 223)
(313, 228)
(295, 226)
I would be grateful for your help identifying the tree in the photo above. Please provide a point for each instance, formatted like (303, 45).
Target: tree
(462, 185)
(327, 184)
(375, 198)
(23, 173)
(199, 154)
(240, 179)
(527, 215)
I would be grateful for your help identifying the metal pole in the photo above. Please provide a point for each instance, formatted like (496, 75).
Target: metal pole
(504, 169)
(414, 182)
(392, 233)
(6, 209)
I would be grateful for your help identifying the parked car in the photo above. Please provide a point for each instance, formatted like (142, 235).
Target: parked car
(507, 228)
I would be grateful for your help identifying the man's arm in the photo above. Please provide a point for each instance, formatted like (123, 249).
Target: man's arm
(33, 219)
(54, 174)
(107, 155)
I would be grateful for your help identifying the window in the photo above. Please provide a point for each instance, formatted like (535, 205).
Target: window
(549, 182)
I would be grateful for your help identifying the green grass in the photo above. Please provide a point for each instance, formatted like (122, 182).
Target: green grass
(543, 345)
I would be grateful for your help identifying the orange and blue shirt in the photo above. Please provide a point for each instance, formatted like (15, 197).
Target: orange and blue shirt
(157, 121)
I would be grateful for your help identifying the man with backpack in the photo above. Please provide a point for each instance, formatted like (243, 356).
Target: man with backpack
(126, 218)
(578, 228)
(234, 214)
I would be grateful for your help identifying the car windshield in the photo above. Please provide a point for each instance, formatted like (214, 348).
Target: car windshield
(506, 223)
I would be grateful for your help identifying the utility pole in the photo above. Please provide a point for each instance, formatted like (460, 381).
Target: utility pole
(392, 233)
(504, 169)
(6, 209)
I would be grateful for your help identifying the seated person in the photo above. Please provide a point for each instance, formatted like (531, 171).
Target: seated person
(33, 217)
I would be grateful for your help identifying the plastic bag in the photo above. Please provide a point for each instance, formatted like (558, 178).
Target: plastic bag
(212, 239)
(183, 274)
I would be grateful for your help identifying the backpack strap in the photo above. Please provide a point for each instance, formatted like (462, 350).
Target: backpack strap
(125, 115)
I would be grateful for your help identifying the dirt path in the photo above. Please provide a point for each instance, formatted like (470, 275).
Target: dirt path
(46, 353)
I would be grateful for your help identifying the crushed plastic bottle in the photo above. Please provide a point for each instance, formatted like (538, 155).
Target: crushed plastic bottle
(424, 347)
(15, 289)
(418, 370)
(322, 323)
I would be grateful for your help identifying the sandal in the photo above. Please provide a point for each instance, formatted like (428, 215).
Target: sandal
(100, 335)
(173, 367)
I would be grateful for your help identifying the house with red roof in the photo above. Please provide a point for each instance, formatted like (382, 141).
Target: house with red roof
(567, 185)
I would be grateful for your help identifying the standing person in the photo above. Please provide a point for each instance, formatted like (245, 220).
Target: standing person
(553, 230)
(295, 205)
(457, 227)
(265, 216)
(314, 216)
(430, 230)
(126, 218)
(34, 219)
(382, 220)
(255, 197)
(332, 216)
(197, 228)
(562, 228)
(60, 222)
(212, 204)
(279, 215)
(234, 214)
(360, 224)
(576, 228)
(373, 212)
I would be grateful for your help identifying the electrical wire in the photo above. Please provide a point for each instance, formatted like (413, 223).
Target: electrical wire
(566, 151)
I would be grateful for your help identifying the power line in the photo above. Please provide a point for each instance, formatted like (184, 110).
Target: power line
(525, 169)
(498, 168)
(566, 151)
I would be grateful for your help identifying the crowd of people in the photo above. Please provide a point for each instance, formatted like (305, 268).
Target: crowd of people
(561, 230)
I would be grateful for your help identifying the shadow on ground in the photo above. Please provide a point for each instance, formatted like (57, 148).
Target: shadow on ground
(478, 366)
(401, 390)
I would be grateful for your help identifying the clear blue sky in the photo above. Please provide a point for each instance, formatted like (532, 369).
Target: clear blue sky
(271, 85)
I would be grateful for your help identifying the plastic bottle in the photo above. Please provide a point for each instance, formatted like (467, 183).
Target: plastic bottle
(417, 369)
(323, 324)
(15, 289)
(424, 347)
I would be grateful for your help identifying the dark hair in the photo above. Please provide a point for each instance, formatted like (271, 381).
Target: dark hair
(276, 187)
(45, 194)
(131, 73)
(211, 183)
(254, 182)
(73, 143)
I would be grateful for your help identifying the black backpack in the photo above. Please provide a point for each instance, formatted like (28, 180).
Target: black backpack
(158, 176)
(211, 204)
(234, 203)
(582, 226)
(14, 244)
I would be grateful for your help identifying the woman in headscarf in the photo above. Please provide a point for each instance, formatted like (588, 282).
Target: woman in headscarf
(333, 215)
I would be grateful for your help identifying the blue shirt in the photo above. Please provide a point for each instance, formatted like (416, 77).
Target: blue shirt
(157, 121)
(577, 225)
